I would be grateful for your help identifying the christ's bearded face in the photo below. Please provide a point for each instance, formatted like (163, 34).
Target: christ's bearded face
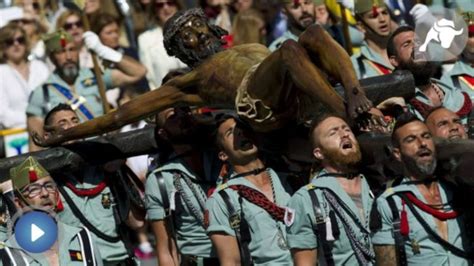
(198, 41)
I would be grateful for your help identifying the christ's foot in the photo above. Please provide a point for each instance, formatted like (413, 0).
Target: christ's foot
(357, 103)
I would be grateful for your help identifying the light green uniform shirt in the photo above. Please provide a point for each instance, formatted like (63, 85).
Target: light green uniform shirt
(303, 234)
(356, 38)
(287, 35)
(67, 241)
(100, 216)
(460, 68)
(368, 58)
(85, 86)
(431, 253)
(265, 232)
(453, 100)
(190, 234)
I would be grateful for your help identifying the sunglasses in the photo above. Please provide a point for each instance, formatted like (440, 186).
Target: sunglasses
(20, 40)
(71, 25)
(160, 5)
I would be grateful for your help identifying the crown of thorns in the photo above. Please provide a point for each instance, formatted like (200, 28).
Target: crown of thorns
(174, 24)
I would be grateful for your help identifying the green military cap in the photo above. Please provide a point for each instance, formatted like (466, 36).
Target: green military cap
(56, 41)
(27, 172)
(362, 6)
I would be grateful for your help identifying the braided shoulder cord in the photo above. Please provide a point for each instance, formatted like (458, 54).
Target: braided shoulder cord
(198, 214)
(363, 254)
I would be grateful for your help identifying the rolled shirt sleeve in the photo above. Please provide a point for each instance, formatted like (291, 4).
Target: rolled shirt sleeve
(153, 198)
(384, 236)
(219, 214)
(301, 234)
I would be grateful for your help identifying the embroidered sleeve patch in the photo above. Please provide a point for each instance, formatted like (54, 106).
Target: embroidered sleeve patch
(75, 255)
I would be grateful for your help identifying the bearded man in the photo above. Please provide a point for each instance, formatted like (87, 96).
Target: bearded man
(267, 89)
(331, 220)
(419, 225)
(77, 86)
(430, 93)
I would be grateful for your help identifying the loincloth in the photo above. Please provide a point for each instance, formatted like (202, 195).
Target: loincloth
(246, 106)
(262, 117)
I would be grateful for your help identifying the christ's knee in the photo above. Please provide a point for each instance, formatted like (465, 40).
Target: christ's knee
(291, 50)
(314, 34)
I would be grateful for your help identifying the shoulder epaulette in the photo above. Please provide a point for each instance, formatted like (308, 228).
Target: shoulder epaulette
(310, 186)
(222, 186)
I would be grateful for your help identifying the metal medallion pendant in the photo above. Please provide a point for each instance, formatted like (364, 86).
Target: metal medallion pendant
(106, 201)
(281, 240)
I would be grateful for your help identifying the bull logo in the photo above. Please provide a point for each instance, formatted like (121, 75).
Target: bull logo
(444, 32)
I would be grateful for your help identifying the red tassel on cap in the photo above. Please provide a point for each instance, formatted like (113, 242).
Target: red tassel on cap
(59, 204)
(296, 2)
(375, 13)
(404, 229)
(63, 41)
(33, 176)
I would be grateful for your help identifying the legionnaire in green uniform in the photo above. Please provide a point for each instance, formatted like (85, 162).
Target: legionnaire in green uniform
(176, 192)
(444, 123)
(246, 216)
(419, 225)
(430, 93)
(35, 189)
(374, 21)
(90, 201)
(462, 74)
(332, 213)
(75, 86)
(301, 14)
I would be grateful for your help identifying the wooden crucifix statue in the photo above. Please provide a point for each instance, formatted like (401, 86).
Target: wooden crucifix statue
(267, 89)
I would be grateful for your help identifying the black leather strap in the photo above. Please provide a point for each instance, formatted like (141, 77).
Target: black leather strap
(321, 227)
(456, 83)
(164, 192)
(453, 249)
(399, 240)
(84, 220)
(46, 99)
(87, 248)
(5, 258)
(241, 229)
(360, 64)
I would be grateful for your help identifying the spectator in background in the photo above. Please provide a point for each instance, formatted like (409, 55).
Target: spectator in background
(249, 27)
(107, 27)
(34, 28)
(218, 12)
(36, 8)
(71, 21)
(241, 5)
(92, 6)
(151, 49)
(18, 76)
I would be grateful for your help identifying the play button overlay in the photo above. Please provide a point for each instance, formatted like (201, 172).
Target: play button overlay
(36, 231)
